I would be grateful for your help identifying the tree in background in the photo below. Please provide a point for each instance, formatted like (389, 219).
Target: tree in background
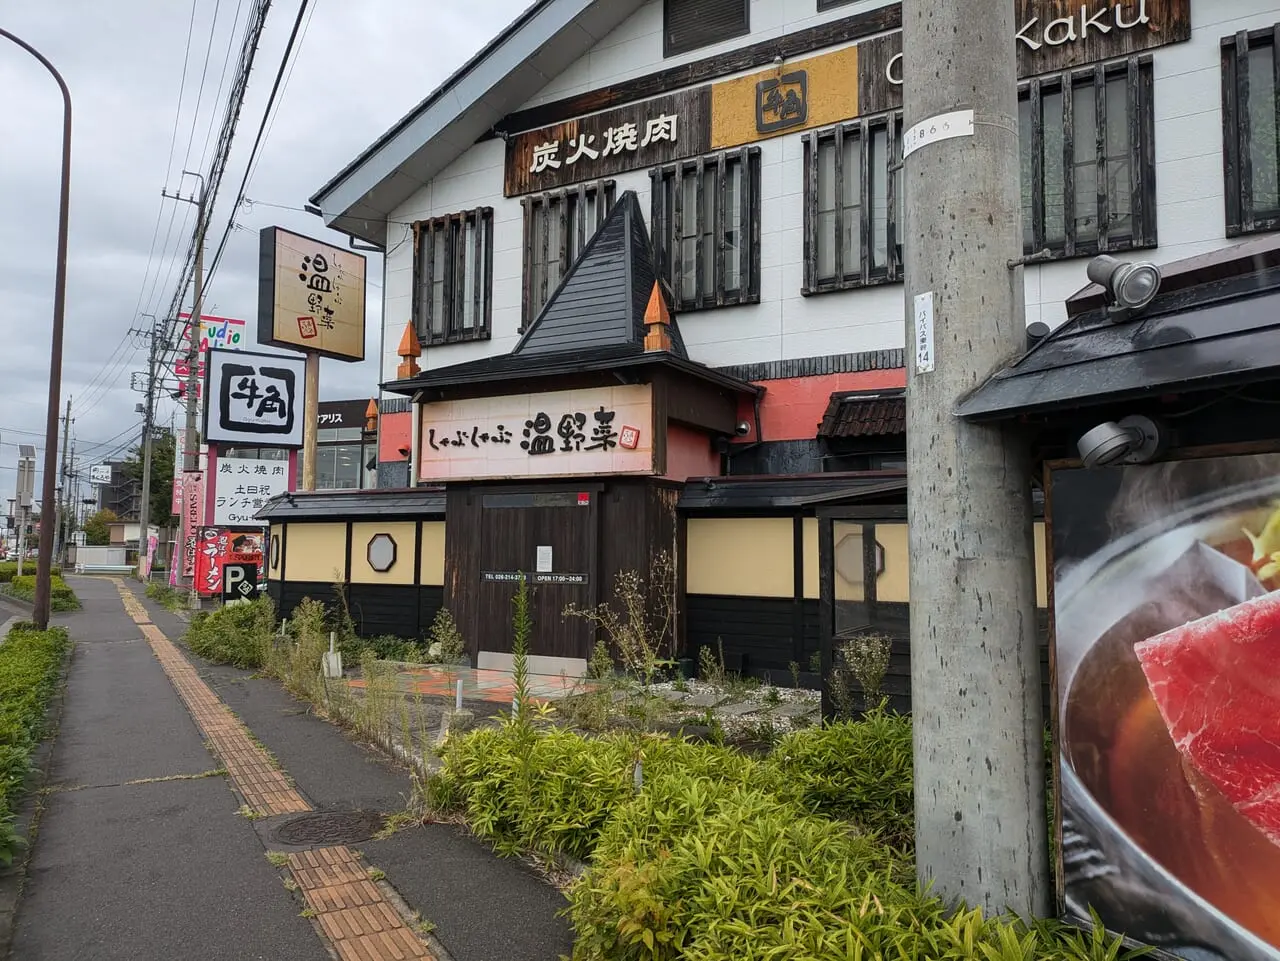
(97, 529)
(163, 449)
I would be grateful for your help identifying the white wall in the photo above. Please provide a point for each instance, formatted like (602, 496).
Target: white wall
(1189, 184)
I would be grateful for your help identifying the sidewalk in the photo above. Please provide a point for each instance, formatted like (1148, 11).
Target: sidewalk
(129, 866)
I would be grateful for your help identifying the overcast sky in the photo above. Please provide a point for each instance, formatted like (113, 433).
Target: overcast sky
(361, 66)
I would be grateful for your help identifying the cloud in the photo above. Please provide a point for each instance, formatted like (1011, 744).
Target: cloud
(361, 66)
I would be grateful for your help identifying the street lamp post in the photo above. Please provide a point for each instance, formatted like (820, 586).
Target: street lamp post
(44, 562)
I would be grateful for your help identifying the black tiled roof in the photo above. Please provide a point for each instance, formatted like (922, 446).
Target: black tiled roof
(865, 415)
(413, 502)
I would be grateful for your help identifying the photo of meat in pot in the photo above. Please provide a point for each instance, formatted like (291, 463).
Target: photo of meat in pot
(1169, 690)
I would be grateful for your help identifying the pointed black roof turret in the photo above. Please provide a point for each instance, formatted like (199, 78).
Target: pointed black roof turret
(600, 302)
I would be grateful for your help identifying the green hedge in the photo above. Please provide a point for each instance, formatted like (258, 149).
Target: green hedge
(29, 665)
(61, 597)
(9, 569)
(805, 855)
(239, 634)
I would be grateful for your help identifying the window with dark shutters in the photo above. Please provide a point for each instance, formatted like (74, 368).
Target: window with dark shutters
(1088, 160)
(557, 226)
(706, 228)
(690, 24)
(1251, 130)
(853, 210)
(453, 277)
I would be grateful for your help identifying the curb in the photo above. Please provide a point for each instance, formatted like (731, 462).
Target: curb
(13, 878)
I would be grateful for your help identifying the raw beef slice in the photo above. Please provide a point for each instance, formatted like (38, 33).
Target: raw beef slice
(1217, 684)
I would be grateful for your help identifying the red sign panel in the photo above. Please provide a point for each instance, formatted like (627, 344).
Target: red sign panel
(192, 517)
(217, 547)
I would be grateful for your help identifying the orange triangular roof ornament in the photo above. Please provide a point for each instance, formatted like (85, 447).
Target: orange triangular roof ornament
(372, 409)
(656, 312)
(409, 346)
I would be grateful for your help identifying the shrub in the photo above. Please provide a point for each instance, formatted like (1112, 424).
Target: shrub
(29, 663)
(446, 642)
(9, 569)
(554, 792)
(61, 597)
(239, 634)
(703, 869)
(296, 657)
(858, 770)
(388, 647)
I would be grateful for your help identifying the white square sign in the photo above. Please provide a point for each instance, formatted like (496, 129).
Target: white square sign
(255, 400)
(242, 486)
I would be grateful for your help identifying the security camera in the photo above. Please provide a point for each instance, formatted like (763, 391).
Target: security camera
(743, 429)
(1134, 440)
(1130, 287)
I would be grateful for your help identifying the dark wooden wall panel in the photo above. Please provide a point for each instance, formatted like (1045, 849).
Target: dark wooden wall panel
(757, 637)
(385, 609)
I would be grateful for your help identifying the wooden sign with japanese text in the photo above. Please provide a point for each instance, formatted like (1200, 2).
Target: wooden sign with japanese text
(570, 433)
(310, 295)
(795, 96)
(1052, 35)
(634, 137)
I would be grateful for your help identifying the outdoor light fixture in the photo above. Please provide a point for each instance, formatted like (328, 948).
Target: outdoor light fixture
(1134, 440)
(1130, 287)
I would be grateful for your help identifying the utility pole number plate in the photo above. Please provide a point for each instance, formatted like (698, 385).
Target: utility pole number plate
(945, 126)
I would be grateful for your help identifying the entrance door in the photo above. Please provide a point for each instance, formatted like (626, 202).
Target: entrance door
(549, 537)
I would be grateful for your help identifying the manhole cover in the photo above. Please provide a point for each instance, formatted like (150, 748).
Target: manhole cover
(330, 827)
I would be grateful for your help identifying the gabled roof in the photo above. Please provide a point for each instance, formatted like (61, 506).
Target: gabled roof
(342, 505)
(542, 43)
(601, 300)
(1219, 326)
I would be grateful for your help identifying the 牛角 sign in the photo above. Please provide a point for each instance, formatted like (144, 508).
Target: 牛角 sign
(255, 400)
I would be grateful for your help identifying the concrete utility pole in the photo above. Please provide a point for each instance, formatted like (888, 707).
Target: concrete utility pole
(63, 487)
(979, 758)
(148, 428)
(191, 448)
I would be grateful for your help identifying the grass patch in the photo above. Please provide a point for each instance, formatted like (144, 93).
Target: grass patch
(61, 597)
(277, 858)
(29, 665)
(170, 598)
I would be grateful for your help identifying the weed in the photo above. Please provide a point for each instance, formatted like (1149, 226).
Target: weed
(306, 913)
(815, 662)
(290, 885)
(772, 697)
(681, 684)
(444, 633)
(600, 666)
(395, 822)
(640, 621)
(521, 635)
(248, 813)
(377, 874)
(278, 858)
(711, 664)
(794, 667)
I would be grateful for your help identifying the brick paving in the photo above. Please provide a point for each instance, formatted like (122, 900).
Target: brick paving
(353, 913)
(350, 909)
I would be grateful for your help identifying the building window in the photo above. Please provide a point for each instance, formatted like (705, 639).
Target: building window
(1088, 160)
(556, 228)
(832, 4)
(690, 24)
(340, 467)
(1251, 134)
(453, 277)
(706, 228)
(853, 205)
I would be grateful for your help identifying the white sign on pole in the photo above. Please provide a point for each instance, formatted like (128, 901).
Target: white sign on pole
(924, 333)
(241, 487)
(100, 474)
(945, 126)
(255, 400)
